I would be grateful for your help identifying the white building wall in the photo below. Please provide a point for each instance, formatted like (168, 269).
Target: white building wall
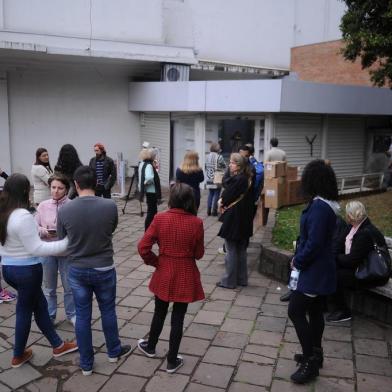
(50, 109)
(251, 31)
(5, 157)
(122, 20)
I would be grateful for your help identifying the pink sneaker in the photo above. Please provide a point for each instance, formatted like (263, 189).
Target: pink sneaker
(6, 296)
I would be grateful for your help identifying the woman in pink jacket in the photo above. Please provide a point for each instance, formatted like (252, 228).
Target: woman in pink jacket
(46, 218)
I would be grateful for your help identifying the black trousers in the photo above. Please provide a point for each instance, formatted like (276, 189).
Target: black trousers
(101, 191)
(152, 208)
(177, 324)
(309, 332)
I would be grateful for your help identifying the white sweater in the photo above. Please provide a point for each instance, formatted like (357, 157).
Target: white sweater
(40, 177)
(23, 241)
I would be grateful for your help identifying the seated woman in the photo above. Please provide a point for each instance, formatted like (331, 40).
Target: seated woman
(355, 247)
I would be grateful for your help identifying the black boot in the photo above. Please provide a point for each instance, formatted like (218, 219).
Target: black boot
(307, 371)
(214, 213)
(318, 355)
(208, 211)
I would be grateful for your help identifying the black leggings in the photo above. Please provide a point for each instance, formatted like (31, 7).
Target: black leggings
(310, 332)
(177, 323)
(152, 208)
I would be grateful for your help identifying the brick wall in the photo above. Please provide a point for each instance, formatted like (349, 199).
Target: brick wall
(323, 63)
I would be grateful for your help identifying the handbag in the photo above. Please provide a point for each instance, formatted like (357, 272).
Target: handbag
(218, 174)
(377, 265)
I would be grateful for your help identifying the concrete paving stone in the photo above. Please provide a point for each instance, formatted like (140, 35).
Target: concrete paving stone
(164, 382)
(242, 387)
(193, 346)
(337, 349)
(7, 332)
(329, 384)
(194, 307)
(274, 299)
(254, 374)
(265, 351)
(208, 288)
(373, 347)
(143, 291)
(363, 328)
(103, 366)
(341, 334)
(140, 366)
(143, 318)
(217, 305)
(289, 349)
(222, 355)
(273, 310)
(190, 363)
(373, 383)
(215, 270)
(9, 322)
(272, 324)
(7, 309)
(42, 355)
(285, 368)
(290, 335)
(238, 326)
(124, 383)
(374, 365)
(126, 313)
(223, 294)
(5, 359)
(122, 292)
(136, 331)
(78, 382)
(230, 339)
(47, 384)
(335, 367)
(201, 331)
(146, 268)
(214, 375)
(71, 358)
(98, 339)
(209, 317)
(150, 307)
(266, 338)
(259, 281)
(254, 291)
(15, 378)
(288, 386)
(135, 301)
(192, 387)
(243, 313)
(7, 343)
(249, 301)
(248, 357)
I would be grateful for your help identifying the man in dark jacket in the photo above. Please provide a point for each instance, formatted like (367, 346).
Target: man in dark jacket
(105, 170)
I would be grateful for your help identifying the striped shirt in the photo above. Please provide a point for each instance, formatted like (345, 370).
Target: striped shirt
(99, 171)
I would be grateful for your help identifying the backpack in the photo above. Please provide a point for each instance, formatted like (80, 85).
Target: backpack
(259, 179)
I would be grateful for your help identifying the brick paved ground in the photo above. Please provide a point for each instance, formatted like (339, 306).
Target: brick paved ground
(235, 340)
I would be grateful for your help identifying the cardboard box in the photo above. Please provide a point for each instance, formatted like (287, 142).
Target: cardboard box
(274, 192)
(274, 169)
(294, 192)
(291, 172)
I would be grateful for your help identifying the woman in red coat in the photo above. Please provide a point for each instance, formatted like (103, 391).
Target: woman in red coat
(179, 234)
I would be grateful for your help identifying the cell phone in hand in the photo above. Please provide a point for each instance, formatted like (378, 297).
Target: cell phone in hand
(52, 231)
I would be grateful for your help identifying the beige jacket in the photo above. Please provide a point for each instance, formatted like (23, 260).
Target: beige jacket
(39, 178)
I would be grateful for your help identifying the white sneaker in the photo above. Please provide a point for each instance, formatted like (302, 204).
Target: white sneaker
(221, 251)
(87, 372)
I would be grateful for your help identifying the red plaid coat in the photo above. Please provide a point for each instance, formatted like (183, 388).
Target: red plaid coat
(180, 237)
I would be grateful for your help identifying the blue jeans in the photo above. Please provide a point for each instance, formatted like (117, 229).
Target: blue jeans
(213, 197)
(84, 283)
(52, 265)
(27, 280)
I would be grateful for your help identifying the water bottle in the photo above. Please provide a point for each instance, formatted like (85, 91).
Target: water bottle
(294, 275)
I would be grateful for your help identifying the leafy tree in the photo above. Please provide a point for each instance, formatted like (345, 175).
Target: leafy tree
(367, 32)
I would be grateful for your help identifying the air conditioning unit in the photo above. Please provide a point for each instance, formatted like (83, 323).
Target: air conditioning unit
(174, 73)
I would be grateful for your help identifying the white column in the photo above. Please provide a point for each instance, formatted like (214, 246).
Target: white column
(256, 142)
(324, 137)
(5, 146)
(1, 14)
(200, 137)
(269, 131)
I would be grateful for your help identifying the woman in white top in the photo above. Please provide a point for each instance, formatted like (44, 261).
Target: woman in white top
(20, 248)
(40, 173)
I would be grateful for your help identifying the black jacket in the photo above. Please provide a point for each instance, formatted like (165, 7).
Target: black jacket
(361, 245)
(237, 221)
(109, 171)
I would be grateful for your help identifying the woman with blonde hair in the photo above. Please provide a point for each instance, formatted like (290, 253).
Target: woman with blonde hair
(191, 173)
(355, 246)
(149, 183)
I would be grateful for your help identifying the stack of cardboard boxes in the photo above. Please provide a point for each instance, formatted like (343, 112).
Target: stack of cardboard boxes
(281, 185)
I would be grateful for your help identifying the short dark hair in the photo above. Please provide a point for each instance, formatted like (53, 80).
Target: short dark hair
(251, 149)
(85, 177)
(319, 179)
(244, 147)
(274, 142)
(182, 196)
(61, 178)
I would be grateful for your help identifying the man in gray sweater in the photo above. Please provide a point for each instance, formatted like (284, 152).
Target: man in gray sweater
(89, 222)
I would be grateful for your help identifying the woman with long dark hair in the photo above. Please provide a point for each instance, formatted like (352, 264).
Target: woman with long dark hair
(236, 206)
(40, 173)
(314, 266)
(67, 162)
(180, 237)
(20, 248)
